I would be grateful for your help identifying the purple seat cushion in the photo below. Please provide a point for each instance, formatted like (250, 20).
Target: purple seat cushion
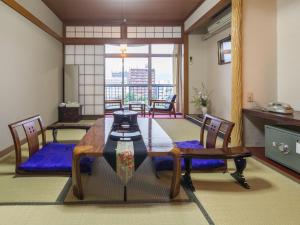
(55, 157)
(194, 144)
(166, 162)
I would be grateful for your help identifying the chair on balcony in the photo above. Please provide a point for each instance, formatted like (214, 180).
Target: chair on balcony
(166, 106)
(113, 105)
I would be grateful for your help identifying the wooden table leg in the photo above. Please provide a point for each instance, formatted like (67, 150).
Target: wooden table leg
(175, 185)
(76, 177)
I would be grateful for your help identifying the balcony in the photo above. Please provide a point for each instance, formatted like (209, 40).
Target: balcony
(138, 92)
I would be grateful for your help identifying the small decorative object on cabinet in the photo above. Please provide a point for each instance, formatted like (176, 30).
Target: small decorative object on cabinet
(204, 110)
(69, 114)
(201, 99)
(283, 145)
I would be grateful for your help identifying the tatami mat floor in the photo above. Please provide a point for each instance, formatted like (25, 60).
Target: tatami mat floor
(162, 214)
(272, 199)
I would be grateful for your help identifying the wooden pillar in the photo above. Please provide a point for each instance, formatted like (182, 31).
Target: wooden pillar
(186, 74)
(237, 81)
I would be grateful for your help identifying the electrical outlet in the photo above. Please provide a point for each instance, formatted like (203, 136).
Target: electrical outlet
(250, 97)
(191, 60)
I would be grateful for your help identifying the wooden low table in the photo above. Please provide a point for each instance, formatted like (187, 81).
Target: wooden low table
(61, 126)
(238, 154)
(157, 142)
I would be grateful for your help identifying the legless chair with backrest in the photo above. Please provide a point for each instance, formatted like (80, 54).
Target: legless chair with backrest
(29, 126)
(215, 128)
(51, 158)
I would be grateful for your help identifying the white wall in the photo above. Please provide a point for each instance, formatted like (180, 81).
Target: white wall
(197, 70)
(259, 51)
(30, 72)
(219, 78)
(270, 63)
(205, 68)
(288, 48)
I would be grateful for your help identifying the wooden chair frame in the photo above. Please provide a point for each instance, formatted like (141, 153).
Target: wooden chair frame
(216, 127)
(119, 102)
(153, 110)
(29, 126)
(32, 134)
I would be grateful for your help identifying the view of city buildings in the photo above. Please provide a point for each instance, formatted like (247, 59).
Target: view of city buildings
(129, 78)
(136, 86)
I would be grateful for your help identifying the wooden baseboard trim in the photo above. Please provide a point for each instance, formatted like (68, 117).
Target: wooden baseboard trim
(92, 117)
(6, 151)
(28, 15)
(12, 147)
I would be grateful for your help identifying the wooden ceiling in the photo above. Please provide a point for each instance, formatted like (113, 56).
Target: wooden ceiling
(115, 11)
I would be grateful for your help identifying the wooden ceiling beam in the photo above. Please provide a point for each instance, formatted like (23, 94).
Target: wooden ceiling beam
(128, 23)
(101, 41)
(208, 16)
(28, 15)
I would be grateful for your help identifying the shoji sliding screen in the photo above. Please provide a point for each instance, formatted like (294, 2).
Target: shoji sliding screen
(90, 59)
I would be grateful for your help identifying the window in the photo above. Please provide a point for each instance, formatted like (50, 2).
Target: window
(224, 48)
(162, 49)
(147, 72)
(113, 78)
(162, 70)
(131, 49)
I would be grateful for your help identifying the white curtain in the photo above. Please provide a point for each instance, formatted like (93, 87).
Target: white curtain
(178, 76)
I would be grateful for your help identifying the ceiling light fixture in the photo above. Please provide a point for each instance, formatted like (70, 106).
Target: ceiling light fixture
(123, 49)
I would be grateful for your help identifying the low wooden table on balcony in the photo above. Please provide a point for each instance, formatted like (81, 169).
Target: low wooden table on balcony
(138, 106)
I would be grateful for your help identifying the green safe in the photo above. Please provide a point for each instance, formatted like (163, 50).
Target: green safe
(282, 144)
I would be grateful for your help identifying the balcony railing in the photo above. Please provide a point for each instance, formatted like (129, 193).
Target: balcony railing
(138, 92)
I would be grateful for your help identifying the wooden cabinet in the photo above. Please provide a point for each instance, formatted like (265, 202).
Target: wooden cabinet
(69, 114)
(254, 121)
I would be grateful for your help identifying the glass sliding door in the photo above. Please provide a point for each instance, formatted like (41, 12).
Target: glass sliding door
(144, 72)
(136, 79)
(113, 78)
(163, 80)
(162, 62)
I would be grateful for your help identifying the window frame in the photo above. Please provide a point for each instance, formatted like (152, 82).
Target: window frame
(149, 56)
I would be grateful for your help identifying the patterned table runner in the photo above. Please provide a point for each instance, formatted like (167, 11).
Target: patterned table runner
(125, 157)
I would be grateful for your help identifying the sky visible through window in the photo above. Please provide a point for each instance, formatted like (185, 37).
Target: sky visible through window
(162, 67)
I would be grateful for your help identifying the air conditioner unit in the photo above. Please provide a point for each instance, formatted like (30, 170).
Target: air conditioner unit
(220, 24)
